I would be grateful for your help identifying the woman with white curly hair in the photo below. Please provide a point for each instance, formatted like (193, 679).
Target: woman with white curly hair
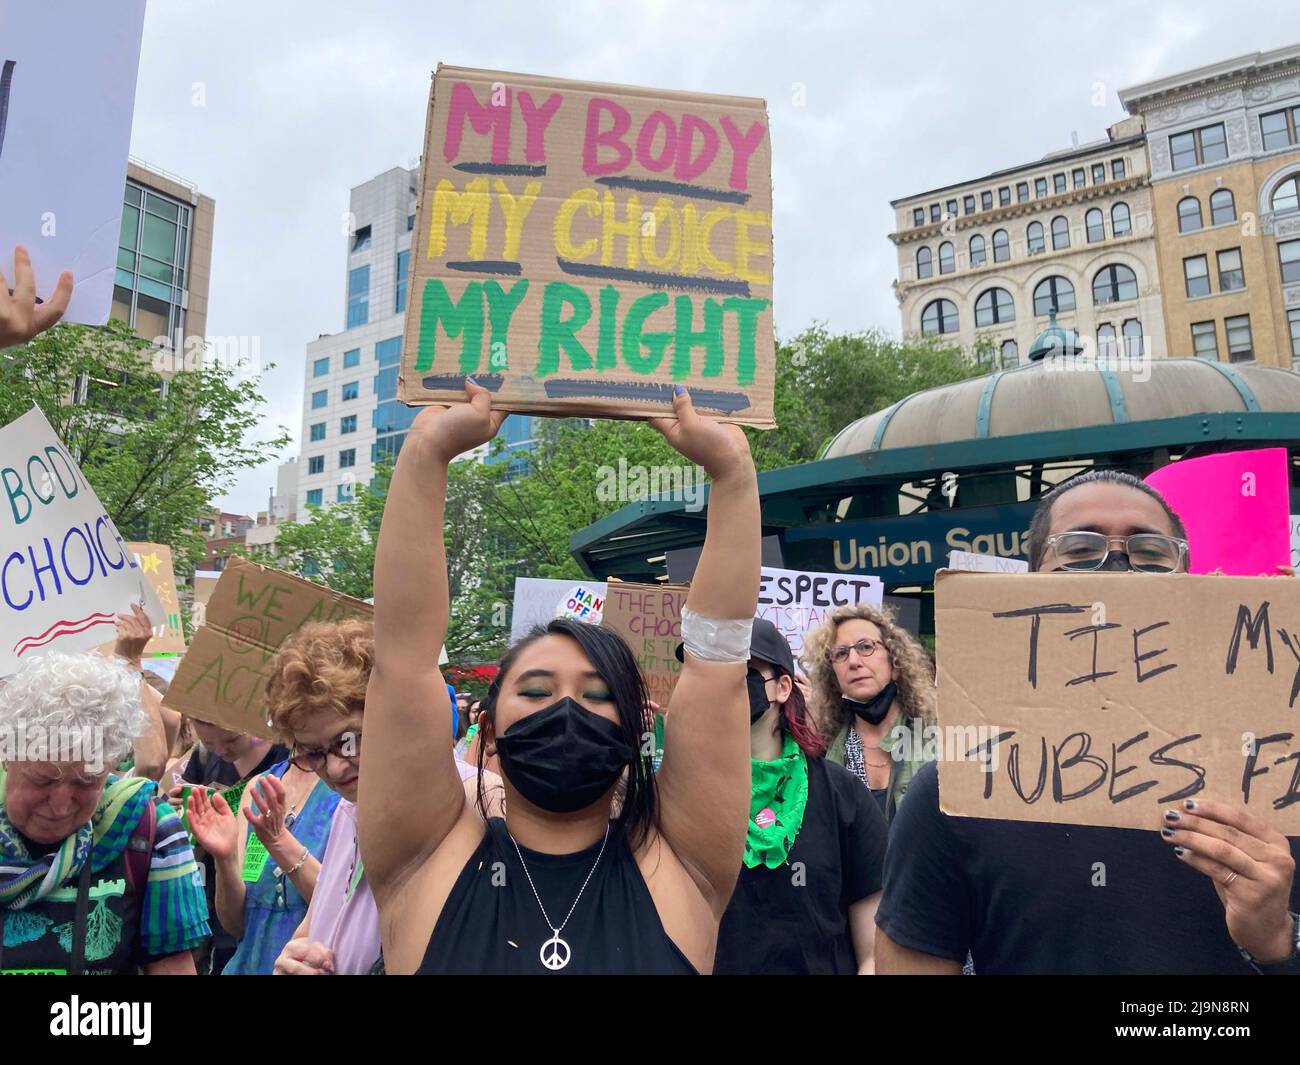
(867, 677)
(96, 874)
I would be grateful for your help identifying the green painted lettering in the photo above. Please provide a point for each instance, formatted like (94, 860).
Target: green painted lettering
(501, 308)
(465, 317)
(687, 338)
(634, 337)
(562, 333)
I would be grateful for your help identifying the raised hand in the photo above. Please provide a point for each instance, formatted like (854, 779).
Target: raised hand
(212, 823)
(133, 634)
(721, 448)
(442, 432)
(266, 814)
(21, 317)
(1251, 866)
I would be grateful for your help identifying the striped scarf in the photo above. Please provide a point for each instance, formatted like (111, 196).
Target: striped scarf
(24, 879)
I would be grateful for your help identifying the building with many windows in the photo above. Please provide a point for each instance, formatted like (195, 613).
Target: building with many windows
(984, 263)
(164, 255)
(1224, 146)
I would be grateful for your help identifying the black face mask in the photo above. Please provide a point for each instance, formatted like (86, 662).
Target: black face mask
(756, 685)
(1114, 561)
(563, 758)
(874, 709)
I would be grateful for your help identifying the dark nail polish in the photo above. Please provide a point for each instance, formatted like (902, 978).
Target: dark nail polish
(1180, 851)
(471, 380)
(1168, 833)
(1189, 804)
(678, 390)
(1172, 815)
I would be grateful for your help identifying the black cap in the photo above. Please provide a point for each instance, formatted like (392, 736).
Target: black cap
(766, 644)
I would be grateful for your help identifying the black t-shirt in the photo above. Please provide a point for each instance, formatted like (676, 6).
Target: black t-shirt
(1031, 897)
(206, 768)
(794, 919)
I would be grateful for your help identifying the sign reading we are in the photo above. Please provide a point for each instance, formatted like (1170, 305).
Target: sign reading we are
(582, 248)
(1105, 699)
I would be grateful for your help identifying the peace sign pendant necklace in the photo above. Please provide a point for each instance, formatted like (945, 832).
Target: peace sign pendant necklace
(555, 951)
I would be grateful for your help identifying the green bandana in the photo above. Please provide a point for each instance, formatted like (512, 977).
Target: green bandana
(776, 806)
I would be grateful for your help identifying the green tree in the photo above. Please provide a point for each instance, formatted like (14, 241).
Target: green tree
(157, 449)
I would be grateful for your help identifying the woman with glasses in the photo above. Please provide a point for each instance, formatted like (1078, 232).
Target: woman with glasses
(267, 858)
(872, 689)
(814, 860)
(317, 699)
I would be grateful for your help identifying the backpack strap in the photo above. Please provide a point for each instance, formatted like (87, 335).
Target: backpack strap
(139, 849)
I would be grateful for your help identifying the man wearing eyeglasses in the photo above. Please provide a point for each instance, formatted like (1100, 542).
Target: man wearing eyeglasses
(1209, 889)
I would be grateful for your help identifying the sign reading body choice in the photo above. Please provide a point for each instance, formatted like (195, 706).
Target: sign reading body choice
(66, 573)
(581, 248)
(67, 92)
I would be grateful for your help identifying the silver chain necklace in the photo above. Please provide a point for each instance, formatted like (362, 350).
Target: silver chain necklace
(555, 951)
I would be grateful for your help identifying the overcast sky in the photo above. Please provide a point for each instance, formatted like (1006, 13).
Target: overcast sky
(303, 99)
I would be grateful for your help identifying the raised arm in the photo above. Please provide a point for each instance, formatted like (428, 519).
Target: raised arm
(410, 792)
(704, 782)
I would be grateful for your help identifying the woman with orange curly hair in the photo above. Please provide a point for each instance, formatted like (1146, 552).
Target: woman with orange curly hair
(872, 694)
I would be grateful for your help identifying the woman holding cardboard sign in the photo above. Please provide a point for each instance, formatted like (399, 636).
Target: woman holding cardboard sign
(556, 885)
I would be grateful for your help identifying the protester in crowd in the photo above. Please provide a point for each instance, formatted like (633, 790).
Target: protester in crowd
(96, 874)
(1208, 882)
(262, 892)
(148, 756)
(21, 316)
(814, 860)
(556, 885)
(222, 759)
(316, 695)
(872, 693)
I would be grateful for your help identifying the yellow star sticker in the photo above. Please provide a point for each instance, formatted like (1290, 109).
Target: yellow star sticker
(164, 595)
(150, 562)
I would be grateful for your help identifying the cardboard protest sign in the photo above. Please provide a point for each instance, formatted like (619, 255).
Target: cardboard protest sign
(64, 177)
(581, 248)
(1236, 507)
(1107, 698)
(155, 562)
(795, 601)
(649, 618)
(66, 573)
(203, 583)
(968, 560)
(539, 599)
(253, 610)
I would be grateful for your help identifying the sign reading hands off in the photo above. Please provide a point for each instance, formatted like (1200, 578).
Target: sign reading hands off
(253, 610)
(1109, 698)
(582, 248)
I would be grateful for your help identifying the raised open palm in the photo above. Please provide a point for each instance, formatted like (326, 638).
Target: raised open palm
(212, 823)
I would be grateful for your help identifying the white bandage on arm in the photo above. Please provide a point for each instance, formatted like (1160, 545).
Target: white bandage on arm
(714, 640)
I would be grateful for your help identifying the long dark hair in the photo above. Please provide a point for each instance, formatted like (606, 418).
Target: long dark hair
(612, 659)
(795, 721)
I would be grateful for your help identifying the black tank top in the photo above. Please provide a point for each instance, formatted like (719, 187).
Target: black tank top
(491, 922)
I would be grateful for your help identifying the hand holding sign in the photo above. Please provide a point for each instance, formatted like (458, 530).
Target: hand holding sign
(445, 432)
(1251, 866)
(134, 631)
(22, 316)
(719, 447)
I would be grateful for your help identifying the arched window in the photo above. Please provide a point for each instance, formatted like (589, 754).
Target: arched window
(1121, 224)
(925, 263)
(1133, 338)
(1053, 293)
(1001, 246)
(947, 258)
(978, 256)
(1223, 208)
(1286, 197)
(1114, 283)
(994, 307)
(1106, 346)
(1189, 214)
(939, 316)
(1009, 353)
(1034, 238)
(1060, 232)
(1096, 225)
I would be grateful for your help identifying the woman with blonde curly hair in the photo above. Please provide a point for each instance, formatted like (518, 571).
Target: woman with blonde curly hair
(871, 688)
